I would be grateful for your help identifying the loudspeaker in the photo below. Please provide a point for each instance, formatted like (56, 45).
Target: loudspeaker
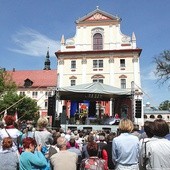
(51, 106)
(87, 128)
(106, 129)
(63, 115)
(138, 108)
(72, 128)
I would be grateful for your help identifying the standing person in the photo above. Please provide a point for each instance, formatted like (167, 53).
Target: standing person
(42, 135)
(158, 148)
(28, 132)
(75, 150)
(101, 143)
(10, 131)
(93, 162)
(125, 147)
(136, 131)
(148, 130)
(9, 158)
(73, 147)
(63, 160)
(76, 116)
(108, 148)
(44, 138)
(31, 159)
(147, 135)
(90, 139)
(80, 140)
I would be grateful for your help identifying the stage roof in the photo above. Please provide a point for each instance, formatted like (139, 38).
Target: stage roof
(92, 91)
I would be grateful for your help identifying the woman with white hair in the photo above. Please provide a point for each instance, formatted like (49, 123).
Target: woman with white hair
(44, 138)
(42, 135)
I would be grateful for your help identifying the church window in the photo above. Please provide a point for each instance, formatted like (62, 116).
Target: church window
(73, 82)
(98, 80)
(97, 42)
(73, 64)
(97, 63)
(122, 62)
(123, 83)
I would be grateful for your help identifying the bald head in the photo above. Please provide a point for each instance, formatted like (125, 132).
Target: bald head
(61, 143)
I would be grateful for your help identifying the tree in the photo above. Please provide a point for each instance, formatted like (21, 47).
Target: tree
(6, 83)
(25, 107)
(162, 62)
(165, 105)
(9, 100)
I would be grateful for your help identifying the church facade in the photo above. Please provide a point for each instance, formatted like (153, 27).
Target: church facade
(100, 52)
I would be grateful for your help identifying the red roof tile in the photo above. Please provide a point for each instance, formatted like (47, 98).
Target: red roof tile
(40, 78)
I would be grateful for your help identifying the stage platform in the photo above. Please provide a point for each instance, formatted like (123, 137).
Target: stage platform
(112, 128)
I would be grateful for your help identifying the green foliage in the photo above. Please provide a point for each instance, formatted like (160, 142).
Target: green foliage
(6, 83)
(27, 109)
(165, 105)
(9, 100)
(162, 62)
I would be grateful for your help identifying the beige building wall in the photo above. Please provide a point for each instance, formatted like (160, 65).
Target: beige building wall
(116, 46)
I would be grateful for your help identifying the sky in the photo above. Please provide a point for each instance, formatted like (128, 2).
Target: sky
(29, 27)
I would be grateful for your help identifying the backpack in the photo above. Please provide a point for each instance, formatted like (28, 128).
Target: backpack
(94, 164)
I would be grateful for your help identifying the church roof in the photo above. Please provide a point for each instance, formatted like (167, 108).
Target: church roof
(97, 15)
(39, 78)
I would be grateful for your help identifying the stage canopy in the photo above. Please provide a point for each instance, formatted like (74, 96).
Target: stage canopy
(91, 91)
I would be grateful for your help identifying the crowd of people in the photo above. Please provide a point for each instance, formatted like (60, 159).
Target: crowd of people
(41, 148)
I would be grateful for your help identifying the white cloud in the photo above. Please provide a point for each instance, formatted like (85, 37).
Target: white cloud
(33, 43)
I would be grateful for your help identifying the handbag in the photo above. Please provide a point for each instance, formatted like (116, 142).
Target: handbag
(16, 143)
(145, 158)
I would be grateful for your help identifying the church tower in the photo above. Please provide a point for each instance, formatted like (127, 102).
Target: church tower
(47, 61)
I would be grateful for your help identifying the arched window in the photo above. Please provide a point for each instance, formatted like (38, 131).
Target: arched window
(159, 116)
(152, 116)
(145, 116)
(123, 83)
(97, 41)
(73, 80)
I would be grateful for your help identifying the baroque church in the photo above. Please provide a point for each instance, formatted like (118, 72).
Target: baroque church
(98, 53)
